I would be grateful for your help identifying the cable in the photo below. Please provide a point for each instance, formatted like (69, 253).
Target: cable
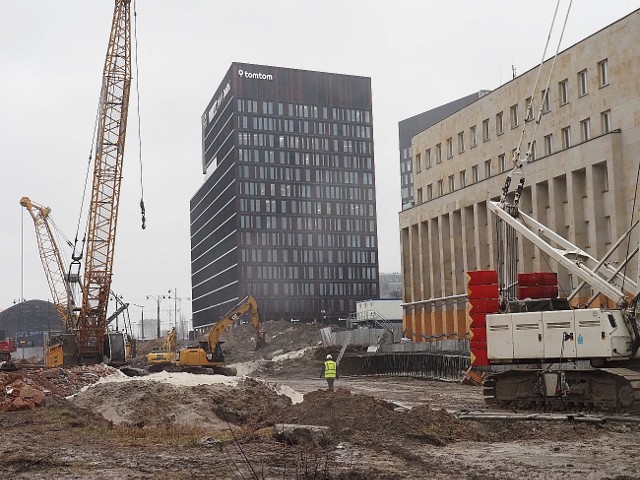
(135, 46)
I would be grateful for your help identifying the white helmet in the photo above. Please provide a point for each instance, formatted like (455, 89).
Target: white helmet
(329, 357)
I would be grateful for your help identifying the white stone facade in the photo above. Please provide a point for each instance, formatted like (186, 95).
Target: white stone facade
(581, 184)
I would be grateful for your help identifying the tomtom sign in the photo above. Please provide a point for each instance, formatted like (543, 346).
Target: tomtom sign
(255, 75)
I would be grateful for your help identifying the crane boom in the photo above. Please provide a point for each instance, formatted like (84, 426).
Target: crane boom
(107, 177)
(54, 267)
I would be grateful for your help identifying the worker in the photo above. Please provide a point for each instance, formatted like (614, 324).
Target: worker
(329, 371)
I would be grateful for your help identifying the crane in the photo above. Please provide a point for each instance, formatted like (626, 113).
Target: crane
(105, 193)
(53, 264)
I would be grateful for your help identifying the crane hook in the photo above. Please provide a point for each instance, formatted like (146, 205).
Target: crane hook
(143, 212)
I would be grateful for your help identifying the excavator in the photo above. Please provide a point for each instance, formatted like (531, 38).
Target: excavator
(166, 355)
(208, 353)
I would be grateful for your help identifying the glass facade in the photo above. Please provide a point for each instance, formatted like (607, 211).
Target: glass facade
(287, 211)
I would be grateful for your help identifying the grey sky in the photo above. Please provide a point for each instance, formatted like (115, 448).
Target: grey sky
(419, 55)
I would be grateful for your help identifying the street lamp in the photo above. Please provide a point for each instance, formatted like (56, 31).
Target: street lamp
(141, 320)
(174, 294)
(158, 298)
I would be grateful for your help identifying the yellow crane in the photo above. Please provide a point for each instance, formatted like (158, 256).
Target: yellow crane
(53, 263)
(93, 340)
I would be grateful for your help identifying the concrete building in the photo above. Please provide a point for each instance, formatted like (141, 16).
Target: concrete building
(411, 126)
(581, 182)
(287, 210)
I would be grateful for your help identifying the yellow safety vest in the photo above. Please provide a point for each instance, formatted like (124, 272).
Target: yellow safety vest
(330, 369)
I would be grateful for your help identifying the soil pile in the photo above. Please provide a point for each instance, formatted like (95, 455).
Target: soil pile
(281, 337)
(347, 414)
(145, 403)
(28, 387)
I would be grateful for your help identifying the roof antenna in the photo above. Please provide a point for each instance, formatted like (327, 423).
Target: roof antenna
(513, 71)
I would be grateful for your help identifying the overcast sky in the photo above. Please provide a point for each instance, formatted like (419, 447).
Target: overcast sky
(419, 55)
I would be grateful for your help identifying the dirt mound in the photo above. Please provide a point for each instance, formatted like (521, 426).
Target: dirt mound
(150, 403)
(27, 387)
(281, 337)
(346, 414)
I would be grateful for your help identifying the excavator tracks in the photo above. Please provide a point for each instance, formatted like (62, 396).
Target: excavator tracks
(598, 389)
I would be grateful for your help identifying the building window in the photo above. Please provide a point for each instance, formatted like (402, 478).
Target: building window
(531, 149)
(563, 91)
(420, 200)
(566, 137)
(430, 191)
(545, 101)
(603, 72)
(605, 119)
(529, 105)
(461, 142)
(452, 183)
(502, 162)
(487, 168)
(439, 153)
(582, 83)
(513, 112)
(427, 160)
(418, 163)
(474, 174)
(499, 124)
(440, 188)
(449, 147)
(548, 144)
(485, 130)
(585, 129)
(463, 178)
(473, 135)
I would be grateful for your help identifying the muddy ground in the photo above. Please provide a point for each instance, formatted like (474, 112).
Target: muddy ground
(366, 437)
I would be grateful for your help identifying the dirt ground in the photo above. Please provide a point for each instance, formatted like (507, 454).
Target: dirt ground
(280, 422)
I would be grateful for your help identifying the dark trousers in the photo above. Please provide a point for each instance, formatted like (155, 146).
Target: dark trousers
(330, 383)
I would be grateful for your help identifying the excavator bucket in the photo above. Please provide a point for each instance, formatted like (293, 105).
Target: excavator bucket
(260, 341)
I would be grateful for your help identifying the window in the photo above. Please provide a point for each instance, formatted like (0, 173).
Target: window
(531, 148)
(605, 120)
(487, 168)
(603, 72)
(461, 142)
(545, 101)
(485, 130)
(566, 137)
(513, 112)
(585, 129)
(473, 136)
(418, 163)
(449, 148)
(420, 200)
(430, 191)
(529, 106)
(582, 83)
(439, 153)
(499, 124)
(427, 160)
(502, 162)
(452, 183)
(474, 174)
(563, 91)
(463, 178)
(548, 144)
(440, 188)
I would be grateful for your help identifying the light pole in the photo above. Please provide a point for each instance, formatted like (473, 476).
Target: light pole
(174, 293)
(158, 298)
(141, 320)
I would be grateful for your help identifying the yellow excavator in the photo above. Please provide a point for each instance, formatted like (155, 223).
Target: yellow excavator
(208, 353)
(166, 355)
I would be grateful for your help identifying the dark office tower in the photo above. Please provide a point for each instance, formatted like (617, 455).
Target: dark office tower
(287, 210)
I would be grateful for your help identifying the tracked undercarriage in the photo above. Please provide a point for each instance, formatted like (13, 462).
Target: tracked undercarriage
(603, 389)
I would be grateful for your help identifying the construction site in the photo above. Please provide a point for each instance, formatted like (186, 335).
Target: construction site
(512, 356)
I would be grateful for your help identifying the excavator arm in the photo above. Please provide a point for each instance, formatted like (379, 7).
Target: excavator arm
(247, 305)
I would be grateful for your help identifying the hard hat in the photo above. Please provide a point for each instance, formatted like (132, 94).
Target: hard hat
(329, 357)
